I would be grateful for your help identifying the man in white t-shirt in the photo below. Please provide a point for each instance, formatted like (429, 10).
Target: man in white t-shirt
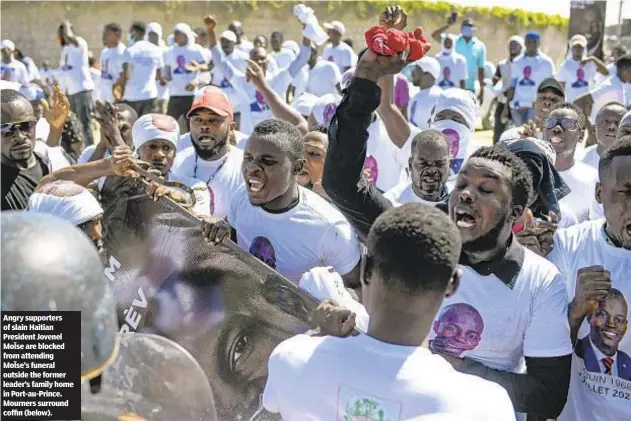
(212, 158)
(79, 84)
(11, 69)
(283, 56)
(336, 51)
(595, 259)
(564, 129)
(577, 71)
(453, 66)
(144, 62)
(154, 36)
(423, 74)
(286, 226)
(241, 42)
(183, 81)
(387, 371)
(111, 61)
(607, 122)
(255, 109)
(321, 77)
(527, 72)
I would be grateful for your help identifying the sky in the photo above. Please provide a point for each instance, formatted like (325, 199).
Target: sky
(554, 7)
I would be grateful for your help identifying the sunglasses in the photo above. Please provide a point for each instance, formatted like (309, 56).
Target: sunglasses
(565, 123)
(22, 126)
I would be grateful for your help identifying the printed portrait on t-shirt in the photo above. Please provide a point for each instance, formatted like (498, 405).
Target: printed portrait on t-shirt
(181, 65)
(446, 82)
(211, 193)
(262, 249)
(526, 81)
(458, 329)
(580, 79)
(260, 105)
(355, 405)
(6, 72)
(331, 59)
(370, 169)
(607, 327)
(454, 148)
(225, 84)
(328, 113)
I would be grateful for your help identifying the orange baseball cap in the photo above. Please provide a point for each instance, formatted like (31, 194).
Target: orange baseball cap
(214, 99)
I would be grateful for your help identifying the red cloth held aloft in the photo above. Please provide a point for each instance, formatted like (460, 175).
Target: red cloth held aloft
(388, 42)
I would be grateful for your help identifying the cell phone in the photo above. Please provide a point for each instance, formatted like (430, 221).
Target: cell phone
(454, 15)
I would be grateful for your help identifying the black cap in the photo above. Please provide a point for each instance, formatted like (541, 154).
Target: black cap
(551, 83)
(624, 57)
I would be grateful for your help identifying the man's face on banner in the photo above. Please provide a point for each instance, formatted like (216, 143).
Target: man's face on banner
(592, 25)
(609, 323)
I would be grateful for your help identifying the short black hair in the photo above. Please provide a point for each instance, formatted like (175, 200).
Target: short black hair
(430, 135)
(578, 111)
(349, 42)
(621, 147)
(611, 104)
(138, 26)
(414, 247)
(10, 95)
(623, 63)
(321, 128)
(72, 132)
(284, 134)
(122, 107)
(114, 27)
(521, 178)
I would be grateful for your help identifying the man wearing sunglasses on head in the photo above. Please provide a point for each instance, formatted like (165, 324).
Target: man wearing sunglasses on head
(22, 167)
(564, 129)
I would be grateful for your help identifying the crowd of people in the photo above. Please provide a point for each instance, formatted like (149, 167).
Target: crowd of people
(477, 282)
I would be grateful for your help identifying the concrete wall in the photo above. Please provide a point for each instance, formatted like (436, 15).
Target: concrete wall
(32, 24)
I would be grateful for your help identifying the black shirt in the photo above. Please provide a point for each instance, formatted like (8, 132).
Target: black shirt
(18, 184)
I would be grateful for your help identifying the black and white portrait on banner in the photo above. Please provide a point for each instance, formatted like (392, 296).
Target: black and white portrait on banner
(587, 17)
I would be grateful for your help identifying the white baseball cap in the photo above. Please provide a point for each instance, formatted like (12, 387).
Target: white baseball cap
(155, 27)
(336, 25)
(229, 35)
(154, 127)
(8, 44)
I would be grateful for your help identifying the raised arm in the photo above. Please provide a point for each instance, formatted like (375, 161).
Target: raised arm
(219, 61)
(440, 31)
(396, 125)
(68, 33)
(600, 66)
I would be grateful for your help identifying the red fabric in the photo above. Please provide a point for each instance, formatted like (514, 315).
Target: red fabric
(388, 42)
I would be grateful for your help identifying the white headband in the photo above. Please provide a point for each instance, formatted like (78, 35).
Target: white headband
(155, 126)
(461, 101)
(76, 209)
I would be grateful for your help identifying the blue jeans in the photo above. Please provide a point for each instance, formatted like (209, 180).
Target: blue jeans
(521, 116)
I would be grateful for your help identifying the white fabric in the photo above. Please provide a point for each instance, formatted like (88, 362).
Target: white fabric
(421, 106)
(581, 179)
(404, 193)
(527, 73)
(312, 30)
(576, 77)
(144, 58)
(42, 129)
(156, 28)
(77, 209)
(226, 178)
(74, 64)
(88, 152)
(186, 30)
(591, 156)
(111, 61)
(56, 158)
(229, 36)
(245, 46)
(461, 101)
(342, 55)
(428, 64)
(311, 234)
(518, 39)
(304, 103)
(292, 46)
(31, 68)
(8, 44)
(238, 60)
(323, 78)
(14, 71)
(95, 74)
(612, 90)
(153, 127)
(362, 378)
(453, 70)
(596, 211)
(283, 58)
(324, 108)
(384, 160)
(177, 58)
(324, 283)
(593, 395)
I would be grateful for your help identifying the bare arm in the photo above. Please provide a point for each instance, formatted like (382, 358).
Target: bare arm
(394, 121)
(81, 174)
(600, 66)
(585, 102)
(69, 33)
(301, 60)
(437, 33)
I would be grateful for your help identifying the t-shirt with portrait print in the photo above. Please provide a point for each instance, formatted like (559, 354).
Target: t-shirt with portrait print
(600, 383)
(453, 69)
(178, 58)
(222, 176)
(526, 74)
(111, 61)
(310, 380)
(311, 234)
(576, 77)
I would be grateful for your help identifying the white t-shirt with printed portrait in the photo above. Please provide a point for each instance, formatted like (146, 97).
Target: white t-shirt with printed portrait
(526, 74)
(14, 71)
(74, 64)
(362, 378)
(421, 106)
(145, 59)
(238, 59)
(222, 176)
(311, 234)
(595, 394)
(581, 179)
(576, 77)
(453, 69)
(611, 90)
(111, 61)
(342, 55)
(177, 58)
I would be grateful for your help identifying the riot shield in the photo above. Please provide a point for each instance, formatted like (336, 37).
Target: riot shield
(152, 379)
(228, 309)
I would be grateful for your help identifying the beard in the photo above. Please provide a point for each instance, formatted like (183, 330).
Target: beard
(212, 153)
(487, 241)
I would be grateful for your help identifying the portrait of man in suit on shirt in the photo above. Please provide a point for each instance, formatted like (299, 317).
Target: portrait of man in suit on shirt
(608, 325)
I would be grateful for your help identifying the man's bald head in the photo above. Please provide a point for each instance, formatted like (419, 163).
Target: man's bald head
(15, 107)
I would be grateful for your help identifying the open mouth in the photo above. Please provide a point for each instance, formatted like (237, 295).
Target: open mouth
(612, 336)
(21, 148)
(465, 219)
(555, 140)
(254, 185)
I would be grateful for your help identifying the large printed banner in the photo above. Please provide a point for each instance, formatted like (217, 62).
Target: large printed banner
(587, 17)
(222, 305)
